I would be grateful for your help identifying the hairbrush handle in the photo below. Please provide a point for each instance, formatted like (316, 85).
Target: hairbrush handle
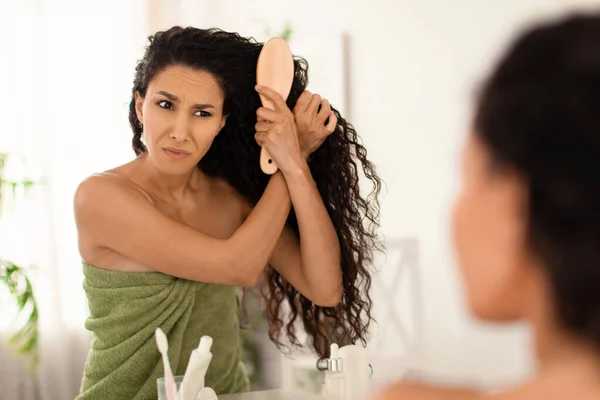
(275, 70)
(267, 164)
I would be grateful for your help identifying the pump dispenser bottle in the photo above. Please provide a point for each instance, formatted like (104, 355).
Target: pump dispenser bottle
(334, 384)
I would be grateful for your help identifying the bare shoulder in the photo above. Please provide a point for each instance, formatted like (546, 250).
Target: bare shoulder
(414, 391)
(99, 185)
(97, 188)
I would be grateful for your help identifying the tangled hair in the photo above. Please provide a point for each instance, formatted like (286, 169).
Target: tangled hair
(234, 156)
(539, 113)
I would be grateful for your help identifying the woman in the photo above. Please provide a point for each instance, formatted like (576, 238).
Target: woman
(526, 224)
(167, 237)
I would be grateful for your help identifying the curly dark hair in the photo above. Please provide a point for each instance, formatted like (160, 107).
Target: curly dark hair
(234, 156)
(539, 113)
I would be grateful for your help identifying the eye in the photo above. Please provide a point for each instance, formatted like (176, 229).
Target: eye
(165, 104)
(201, 113)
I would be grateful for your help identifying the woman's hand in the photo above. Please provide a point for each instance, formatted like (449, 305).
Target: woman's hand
(310, 121)
(277, 132)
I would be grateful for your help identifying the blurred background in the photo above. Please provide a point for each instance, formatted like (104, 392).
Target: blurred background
(404, 72)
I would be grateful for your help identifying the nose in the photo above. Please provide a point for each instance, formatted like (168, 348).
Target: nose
(180, 130)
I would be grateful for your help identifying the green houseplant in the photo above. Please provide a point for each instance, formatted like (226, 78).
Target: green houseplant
(14, 280)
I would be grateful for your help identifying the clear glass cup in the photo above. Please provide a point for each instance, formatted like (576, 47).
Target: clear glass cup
(160, 384)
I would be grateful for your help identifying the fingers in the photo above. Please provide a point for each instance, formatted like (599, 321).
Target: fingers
(324, 112)
(303, 101)
(263, 126)
(260, 138)
(332, 122)
(275, 97)
(266, 138)
(315, 101)
(266, 114)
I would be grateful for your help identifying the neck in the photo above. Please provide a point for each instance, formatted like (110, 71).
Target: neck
(555, 347)
(175, 187)
(568, 368)
(558, 348)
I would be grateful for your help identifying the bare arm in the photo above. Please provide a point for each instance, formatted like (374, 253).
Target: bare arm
(118, 217)
(312, 262)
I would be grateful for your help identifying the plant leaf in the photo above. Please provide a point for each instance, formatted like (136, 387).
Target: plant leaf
(25, 338)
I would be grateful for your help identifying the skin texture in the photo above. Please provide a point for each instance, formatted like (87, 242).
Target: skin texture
(162, 213)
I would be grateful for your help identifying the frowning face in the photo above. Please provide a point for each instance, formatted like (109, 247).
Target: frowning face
(181, 114)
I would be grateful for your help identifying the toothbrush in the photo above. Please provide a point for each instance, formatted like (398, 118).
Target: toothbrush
(163, 347)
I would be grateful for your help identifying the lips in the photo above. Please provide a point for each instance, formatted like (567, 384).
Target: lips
(176, 153)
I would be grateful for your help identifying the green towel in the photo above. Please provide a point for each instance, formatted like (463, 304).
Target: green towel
(127, 307)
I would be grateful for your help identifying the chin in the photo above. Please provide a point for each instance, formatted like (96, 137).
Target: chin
(496, 313)
(169, 166)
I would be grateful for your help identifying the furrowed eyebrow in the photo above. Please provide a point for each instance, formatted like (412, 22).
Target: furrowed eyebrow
(172, 97)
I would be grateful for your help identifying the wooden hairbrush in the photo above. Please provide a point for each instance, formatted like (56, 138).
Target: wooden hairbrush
(275, 70)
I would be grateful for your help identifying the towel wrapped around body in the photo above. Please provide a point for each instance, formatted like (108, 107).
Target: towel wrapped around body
(125, 310)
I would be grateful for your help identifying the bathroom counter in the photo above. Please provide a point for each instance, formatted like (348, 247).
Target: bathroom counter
(279, 394)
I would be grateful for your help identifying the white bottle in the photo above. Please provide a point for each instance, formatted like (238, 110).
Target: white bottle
(334, 385)
(193, 380)
(356, 370)
(207, 394)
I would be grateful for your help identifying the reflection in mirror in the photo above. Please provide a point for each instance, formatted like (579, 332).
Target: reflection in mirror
(525, 225)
